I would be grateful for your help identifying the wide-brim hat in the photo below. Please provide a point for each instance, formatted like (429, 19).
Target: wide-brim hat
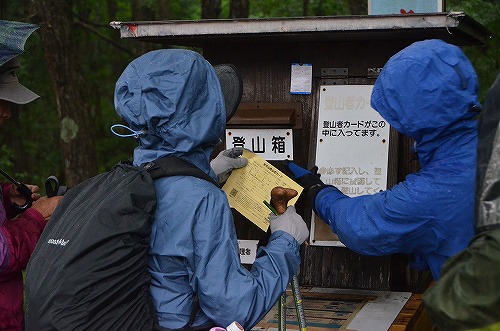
(231, 85)
(10, 88)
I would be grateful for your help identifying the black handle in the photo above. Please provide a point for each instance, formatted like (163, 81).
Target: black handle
(26, 192)
(53, 188)
(23, 190)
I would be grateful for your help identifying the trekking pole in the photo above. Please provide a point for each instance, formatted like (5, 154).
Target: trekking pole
(279, 200)
(282, 312)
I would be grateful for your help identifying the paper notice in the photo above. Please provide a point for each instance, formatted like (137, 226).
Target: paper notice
(247, 188)
(301, 78)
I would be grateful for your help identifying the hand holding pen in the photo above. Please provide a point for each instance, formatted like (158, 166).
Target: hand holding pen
(298, 229)
(286, 218)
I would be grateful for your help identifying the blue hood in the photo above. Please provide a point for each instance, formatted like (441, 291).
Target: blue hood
(427, 91)
(175, 97)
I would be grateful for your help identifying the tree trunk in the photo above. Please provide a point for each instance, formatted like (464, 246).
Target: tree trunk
(358, 7)
(164, 10)
(3, 9)
(210, 8)
(239, 9)
(76, 138)
(118, 60)
(320, 10)
(305, 8)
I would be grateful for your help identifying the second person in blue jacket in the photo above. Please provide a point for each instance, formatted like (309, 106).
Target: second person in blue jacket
(427, 91)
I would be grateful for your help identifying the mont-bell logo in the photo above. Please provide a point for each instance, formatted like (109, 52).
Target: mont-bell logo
(60, 242)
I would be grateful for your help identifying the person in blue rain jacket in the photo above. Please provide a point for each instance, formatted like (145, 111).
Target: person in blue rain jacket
(427, 91)
(174, 101)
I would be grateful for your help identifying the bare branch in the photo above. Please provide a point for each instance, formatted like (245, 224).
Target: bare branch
(102, 36)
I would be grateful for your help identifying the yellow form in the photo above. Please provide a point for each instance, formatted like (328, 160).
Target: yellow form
(247, 188)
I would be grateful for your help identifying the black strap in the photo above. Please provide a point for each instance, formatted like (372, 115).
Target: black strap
(201, 328)
(189, 327)
(175, 166)
(194, 310)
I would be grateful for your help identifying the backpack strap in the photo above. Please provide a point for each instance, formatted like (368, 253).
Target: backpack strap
(175, 166)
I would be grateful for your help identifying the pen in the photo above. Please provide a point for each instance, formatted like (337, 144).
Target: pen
(270, 207)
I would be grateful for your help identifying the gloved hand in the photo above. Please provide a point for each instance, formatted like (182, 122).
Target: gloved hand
(309, 180)
(291, 223)
(226, 161)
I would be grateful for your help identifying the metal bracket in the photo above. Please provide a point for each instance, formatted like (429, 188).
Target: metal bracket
(340, 76)
(334, 72)
(373, 72)
(331, 81)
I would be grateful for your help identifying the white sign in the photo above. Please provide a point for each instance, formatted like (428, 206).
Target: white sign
(248, 250)
(352, 143)
(270, 144)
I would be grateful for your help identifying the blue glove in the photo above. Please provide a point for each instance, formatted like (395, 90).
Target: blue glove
(309, 180)
(297, 171)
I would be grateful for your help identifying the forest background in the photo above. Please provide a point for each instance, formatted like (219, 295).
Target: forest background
(74, 59)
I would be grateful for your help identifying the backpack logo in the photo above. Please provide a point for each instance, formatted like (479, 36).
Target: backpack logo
(60, 242)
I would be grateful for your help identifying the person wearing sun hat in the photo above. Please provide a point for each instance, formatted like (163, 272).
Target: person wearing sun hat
(11, 91)
(177, 104)
(10, 87)
(19, 231)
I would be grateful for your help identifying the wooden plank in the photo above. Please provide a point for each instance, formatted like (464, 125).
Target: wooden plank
(397, 328)
(413, 316)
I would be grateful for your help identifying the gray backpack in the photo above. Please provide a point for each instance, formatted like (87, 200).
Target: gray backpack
(89, 269)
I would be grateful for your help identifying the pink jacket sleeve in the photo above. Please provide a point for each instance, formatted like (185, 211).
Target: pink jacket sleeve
(18, 237)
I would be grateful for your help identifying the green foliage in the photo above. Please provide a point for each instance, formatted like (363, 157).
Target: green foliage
(327, 8)
(486, 59)
(275, 8)
(188, 9)
(294, 8)
(6, 155)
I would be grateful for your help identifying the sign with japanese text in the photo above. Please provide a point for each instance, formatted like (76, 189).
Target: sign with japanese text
(270, 144)
(352, 144)
(248, 250)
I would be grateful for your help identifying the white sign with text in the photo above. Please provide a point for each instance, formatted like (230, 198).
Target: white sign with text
(352, 145)
(270, 144)
(248, 250)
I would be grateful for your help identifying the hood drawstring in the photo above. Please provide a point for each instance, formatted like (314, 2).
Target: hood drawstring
(133, 133)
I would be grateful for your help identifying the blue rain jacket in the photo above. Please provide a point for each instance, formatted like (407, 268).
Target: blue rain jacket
(425, 91)
(175, 96)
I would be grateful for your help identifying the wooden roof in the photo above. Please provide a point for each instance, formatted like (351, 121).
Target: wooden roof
(454, 27)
